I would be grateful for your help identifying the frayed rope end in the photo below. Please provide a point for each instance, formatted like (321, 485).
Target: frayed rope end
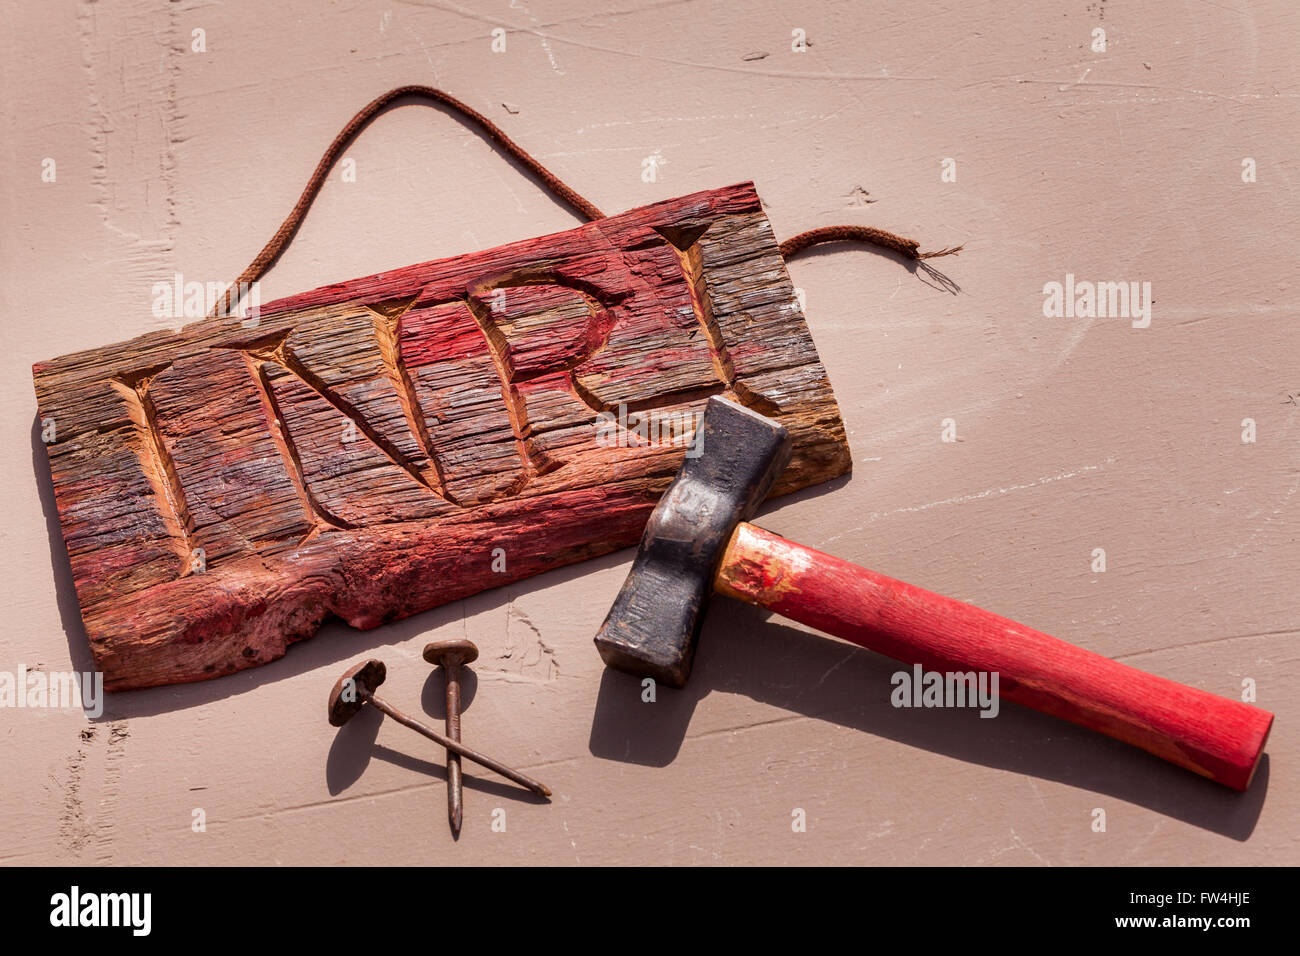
(950, 251)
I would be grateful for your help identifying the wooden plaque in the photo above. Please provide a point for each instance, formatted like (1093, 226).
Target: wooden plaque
(378, 447)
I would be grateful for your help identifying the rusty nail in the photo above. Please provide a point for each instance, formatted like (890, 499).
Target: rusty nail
(451, 655)
(356, 688)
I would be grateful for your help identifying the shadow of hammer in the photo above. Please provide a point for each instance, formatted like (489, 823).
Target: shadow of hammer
(698, 541)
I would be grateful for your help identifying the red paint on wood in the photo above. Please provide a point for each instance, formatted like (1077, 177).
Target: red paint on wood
(361, 449)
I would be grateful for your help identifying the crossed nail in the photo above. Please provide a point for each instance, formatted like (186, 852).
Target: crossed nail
(356, 688)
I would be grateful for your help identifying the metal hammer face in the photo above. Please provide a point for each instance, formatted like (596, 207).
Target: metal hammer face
(655, 622)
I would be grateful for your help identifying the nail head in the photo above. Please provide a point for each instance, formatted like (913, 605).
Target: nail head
(457, 650)
(365, 676)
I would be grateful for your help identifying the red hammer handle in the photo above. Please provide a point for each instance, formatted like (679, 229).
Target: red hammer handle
(1214, 736)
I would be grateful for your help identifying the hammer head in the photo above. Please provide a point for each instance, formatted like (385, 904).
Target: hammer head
(654, 624)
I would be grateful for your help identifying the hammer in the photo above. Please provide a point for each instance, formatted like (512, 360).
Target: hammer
(698, 541)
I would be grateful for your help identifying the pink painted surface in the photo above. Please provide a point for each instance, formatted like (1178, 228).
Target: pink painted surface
(1073, 433)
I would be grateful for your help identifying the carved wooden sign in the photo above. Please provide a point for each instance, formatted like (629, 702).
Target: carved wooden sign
(375, 448)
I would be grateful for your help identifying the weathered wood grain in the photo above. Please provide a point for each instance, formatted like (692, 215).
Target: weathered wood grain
(363, 449)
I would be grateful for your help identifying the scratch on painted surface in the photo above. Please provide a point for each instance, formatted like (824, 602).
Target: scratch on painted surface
(976, 496)
(527, 654)
(540, 32)
(106, 824)
(74, 833)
